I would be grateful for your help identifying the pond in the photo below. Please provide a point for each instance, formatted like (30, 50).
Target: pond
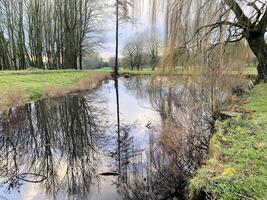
(71, 147)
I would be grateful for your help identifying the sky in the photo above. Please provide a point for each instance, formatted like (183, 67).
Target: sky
(142, 24)
(126, 31)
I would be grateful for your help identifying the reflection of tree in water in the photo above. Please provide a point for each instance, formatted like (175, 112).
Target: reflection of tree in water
(177, 152)
(51, 142)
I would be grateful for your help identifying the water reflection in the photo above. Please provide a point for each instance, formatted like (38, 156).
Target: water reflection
(179, 146)
(53, 143)
(154, 139)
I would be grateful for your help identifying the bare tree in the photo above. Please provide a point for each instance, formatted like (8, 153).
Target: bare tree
(129, 53)
(48, 34)
(122, 15)
(139, 48)
(153, 44)
(134, 50)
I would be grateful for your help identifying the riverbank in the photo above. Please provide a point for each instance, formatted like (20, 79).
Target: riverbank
(247, 71)
(237, 165)
(19, 87)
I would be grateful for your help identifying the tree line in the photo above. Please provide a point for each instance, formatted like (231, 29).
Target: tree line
(47, 34)
(142, 50)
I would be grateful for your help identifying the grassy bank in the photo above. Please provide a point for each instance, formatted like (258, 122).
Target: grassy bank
(237, 167)
(247, 71)
(145, 71)
(18, 87)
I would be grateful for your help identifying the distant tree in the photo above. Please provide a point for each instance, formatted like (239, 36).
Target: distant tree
(134, 51)
(129, 53)
(152, 46)
(111, 62)
(92, 61)
(139, 45)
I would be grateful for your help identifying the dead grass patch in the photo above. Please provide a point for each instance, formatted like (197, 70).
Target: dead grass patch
(53, 91)
(15, 96)
(89, 82)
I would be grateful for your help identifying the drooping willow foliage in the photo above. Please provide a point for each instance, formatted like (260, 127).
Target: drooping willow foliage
(194, 28)
(203, 38)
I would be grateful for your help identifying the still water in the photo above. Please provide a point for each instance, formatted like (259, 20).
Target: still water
(64, 148)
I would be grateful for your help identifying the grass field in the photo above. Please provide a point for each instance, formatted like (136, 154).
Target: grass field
(34, 83)
(145, 71)
(252, 71)
(18, 87)
(237, 167)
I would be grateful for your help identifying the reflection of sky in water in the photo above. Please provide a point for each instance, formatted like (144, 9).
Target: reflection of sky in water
(33, 192)
(133, 111)
(131, 108)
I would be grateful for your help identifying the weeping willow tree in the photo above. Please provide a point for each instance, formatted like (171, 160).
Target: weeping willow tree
(196, 27)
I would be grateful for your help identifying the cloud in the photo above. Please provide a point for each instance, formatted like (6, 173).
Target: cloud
(126, 30)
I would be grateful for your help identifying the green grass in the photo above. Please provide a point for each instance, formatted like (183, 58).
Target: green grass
(179, 70)
(250, 71)
(39, 71)
(34, 82)
(145, 71)
(237, 167)
(18, 87)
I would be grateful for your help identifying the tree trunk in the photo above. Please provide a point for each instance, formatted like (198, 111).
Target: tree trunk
(254, 35)
(132, 64)
(258, 45)
(116, 68)
(80, 60)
